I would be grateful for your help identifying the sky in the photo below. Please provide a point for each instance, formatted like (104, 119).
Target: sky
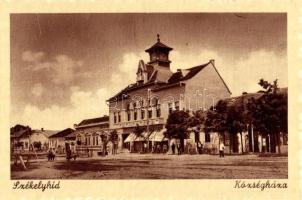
(65, 66)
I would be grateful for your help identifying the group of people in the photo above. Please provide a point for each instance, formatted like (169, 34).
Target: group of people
(51, 154)
(178, 149)
(158, 148)
(199, 149)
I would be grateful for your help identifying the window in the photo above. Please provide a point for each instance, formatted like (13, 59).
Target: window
(128, 112)
(142, 113)
(141, 103)
(158, 111)
(96, 140)
(157, 106)
(176, 105)
(87, 140)
(207, 137)
(114, 117)
(119, 116)
(170, 106)
(150, 113)
(135, 114)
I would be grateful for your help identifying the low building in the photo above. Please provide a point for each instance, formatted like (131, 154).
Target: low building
(19, 136)
(58, 140)
(253, 141)
(25, 138)
(90, 135)
(40, 137)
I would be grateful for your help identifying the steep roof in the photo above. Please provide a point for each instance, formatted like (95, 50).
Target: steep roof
(162, 75)
(47, 133)
(149, 69)
(94, 121)
(178, 76)
(130, 88)
(238, 100)
(20, 133)
(62, 133)
(164, 78)
(71, 135)
(158, 45)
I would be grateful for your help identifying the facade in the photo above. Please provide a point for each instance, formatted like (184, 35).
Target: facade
(41, 136)
(157, 91)
(253, 141)
(58, 140)
(90, 135)
(19, 136)
(22, 137)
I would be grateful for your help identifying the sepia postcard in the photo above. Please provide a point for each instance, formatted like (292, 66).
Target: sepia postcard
(142, 100)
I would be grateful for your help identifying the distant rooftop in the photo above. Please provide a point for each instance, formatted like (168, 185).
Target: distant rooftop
(98, 120)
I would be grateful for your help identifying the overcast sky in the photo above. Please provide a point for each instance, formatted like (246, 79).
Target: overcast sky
(64, 66)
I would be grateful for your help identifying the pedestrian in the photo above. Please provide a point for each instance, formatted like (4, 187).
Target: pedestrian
(221, 150)
(51, 154)
(199, 147)
(158, 148)
(145, 147)
(165, 147)
(173, 148)
(178, 149)
(153, 149)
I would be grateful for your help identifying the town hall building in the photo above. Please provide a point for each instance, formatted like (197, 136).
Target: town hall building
(157, 92)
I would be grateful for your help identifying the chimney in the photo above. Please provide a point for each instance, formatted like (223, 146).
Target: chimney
(42, 129)
(212, 61)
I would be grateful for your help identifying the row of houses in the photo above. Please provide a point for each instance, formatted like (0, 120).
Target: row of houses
(87, 137)
(24, 138)
(147, 103)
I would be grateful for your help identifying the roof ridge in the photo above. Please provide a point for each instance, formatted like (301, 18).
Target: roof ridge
(195, 67)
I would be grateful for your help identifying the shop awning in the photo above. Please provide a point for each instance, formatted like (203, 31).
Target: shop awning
(142, 138)
(130, 138)
(158, 136)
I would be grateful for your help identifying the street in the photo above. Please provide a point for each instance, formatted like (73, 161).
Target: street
(155, 166)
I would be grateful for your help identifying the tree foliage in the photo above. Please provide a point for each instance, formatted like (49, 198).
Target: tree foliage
(269, 112)
(177, 124)
(113, 136)
(197, 119)
(216, 119)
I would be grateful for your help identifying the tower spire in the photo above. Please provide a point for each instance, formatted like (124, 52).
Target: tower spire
(158, 40)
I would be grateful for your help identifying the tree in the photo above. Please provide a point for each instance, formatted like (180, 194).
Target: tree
(237, 120)
(227, 116)
(269, 112)
(197, 119)
(216, 119)
(104, 143)
(177, 126)
(113, 137)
